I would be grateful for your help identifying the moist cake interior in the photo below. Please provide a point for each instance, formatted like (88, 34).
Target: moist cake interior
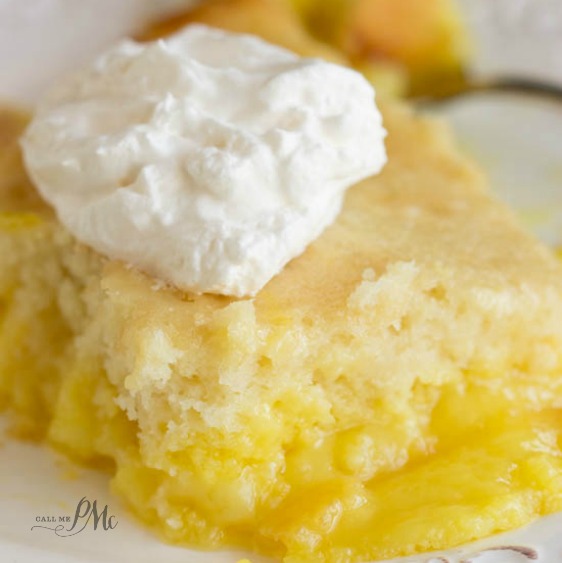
(395, 389)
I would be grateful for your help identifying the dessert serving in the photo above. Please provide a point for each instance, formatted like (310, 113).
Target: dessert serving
(388, 383)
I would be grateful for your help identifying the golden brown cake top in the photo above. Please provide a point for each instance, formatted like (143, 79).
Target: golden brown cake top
(16, 191)
(430, 207)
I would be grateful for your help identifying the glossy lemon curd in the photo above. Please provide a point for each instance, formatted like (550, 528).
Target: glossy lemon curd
(395, 389)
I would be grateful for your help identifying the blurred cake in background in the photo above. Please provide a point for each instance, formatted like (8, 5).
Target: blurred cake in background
(402, 46)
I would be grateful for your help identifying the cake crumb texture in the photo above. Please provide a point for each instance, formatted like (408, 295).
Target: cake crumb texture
(397, 388)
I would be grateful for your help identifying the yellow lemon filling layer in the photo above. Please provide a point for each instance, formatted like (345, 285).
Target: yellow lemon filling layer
(395, 389)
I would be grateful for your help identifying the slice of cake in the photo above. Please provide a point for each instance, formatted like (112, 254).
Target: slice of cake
(397, 388)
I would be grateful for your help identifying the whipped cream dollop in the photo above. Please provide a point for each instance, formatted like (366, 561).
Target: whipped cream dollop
(208, 160)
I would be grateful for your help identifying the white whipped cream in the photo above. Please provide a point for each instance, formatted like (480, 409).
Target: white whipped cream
(208, 160)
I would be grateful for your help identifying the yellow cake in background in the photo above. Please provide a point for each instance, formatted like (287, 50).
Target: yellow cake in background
(402, 46)
(425, 38)
(395, 389)
(272, 20)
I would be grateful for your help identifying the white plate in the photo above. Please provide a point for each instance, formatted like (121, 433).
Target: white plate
(518, 143)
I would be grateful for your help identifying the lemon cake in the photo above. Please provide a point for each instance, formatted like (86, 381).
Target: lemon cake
(402, 46)
(395, 389)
